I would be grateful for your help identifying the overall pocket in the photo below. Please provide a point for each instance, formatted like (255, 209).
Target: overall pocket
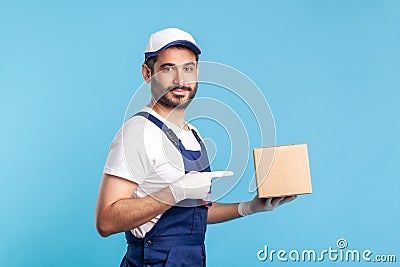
(186, 256)
(200, 220)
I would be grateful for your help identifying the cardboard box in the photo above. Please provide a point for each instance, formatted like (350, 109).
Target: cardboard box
(282, 171)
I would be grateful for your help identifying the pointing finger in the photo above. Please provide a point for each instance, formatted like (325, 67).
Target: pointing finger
(218, 174)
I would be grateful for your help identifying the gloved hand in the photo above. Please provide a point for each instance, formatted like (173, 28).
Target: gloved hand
(195, 185)
(262, 204)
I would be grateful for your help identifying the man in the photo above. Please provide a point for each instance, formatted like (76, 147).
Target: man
(157, 177)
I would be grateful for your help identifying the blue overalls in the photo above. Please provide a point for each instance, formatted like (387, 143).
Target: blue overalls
(177, 239)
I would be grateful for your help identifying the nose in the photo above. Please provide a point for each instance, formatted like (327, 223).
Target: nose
(179, 78)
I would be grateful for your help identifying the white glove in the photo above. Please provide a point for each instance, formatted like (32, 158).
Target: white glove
(262, 204)
(195, 185)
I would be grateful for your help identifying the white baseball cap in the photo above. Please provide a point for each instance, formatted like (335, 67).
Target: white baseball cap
(163, 39)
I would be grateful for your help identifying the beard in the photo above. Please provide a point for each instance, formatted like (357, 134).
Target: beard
(168, 99)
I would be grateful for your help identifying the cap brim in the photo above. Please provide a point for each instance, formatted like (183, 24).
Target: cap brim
(189, 44)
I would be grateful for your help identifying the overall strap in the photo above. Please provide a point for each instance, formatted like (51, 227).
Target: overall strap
(198, 138)
(168, 132)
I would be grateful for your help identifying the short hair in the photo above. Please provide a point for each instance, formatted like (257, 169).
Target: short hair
(152, 60)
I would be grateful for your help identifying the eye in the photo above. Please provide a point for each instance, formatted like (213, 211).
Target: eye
(168, 69)
(188, 68)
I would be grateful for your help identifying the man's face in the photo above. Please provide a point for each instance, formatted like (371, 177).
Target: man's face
(174, 84)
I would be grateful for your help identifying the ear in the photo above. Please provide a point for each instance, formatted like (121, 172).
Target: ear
(146, 73)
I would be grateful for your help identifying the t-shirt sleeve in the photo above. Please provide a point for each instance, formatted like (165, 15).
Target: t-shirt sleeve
(127, 157)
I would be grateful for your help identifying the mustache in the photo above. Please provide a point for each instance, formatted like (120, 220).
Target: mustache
(186, 88)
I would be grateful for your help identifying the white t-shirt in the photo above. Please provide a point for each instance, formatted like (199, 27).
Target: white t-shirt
(141, 153)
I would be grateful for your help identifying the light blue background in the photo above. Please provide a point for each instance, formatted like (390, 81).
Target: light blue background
(329, 69)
